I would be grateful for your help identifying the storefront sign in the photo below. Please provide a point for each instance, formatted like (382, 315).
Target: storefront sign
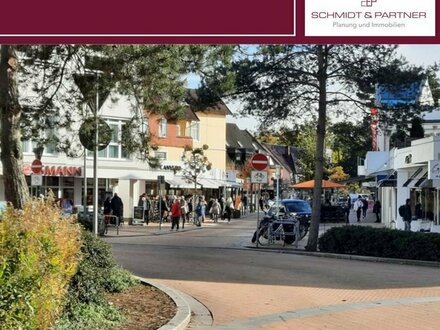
(434, 169)
(55, 170)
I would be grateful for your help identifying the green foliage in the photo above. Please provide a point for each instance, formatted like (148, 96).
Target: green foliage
(416, 131)
(86, 316)
(350, 141)
(381, 242)
(301, 136)
(97, 274)
(39, 254)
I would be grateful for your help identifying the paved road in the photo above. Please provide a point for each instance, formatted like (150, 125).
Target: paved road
(252, 289)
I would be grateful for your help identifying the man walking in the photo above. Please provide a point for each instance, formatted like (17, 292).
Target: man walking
(117, 207)
(357, 207)
(405, 213)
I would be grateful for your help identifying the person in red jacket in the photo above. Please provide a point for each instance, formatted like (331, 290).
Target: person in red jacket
(175, 214)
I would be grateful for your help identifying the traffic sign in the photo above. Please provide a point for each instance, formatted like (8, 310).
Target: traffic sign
(36, 180)
(259, 177)
(37, 166)
(259, 162)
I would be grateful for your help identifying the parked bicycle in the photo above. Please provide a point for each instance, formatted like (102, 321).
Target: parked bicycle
(288, 222)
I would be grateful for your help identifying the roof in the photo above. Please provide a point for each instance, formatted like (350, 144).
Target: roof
(240, 139)
(411, 94)
(190, 115)
(286, 156)
(206, 103)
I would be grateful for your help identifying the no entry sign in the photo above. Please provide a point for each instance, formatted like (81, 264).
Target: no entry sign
(259, 162)
(37, 166)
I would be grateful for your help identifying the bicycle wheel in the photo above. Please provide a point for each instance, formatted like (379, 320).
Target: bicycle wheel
(263, 236)
(303, 230)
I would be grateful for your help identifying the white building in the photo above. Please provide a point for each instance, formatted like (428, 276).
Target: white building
(407, 173)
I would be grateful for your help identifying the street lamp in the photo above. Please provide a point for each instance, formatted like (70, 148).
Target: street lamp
(195, 163)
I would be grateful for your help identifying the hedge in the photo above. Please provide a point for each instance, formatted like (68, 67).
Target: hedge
(381, 242)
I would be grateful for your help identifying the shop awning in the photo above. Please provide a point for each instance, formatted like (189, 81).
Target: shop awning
(414, 178)
(209, 183)
(389, 181)
(182, 183)
(179, 182)
(231, 184)
(421, 179)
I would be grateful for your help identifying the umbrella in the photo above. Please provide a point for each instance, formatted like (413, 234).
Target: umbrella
(311, 184)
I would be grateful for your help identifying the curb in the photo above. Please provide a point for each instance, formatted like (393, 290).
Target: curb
(350, 257)
(183, 315)
(189, 309)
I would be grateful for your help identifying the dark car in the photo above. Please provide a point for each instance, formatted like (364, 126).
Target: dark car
(288, 209)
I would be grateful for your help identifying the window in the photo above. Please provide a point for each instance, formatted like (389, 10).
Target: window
(181, 128)
(114, 150)
(49, 148)
(193, 130)
(162, 127)
(162, 155)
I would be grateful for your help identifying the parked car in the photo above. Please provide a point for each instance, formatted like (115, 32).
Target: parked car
(296, 208)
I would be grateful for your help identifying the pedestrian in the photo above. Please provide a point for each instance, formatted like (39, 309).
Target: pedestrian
(117, 207)
(406, 214)
(203, 210)
(145, 202)
(222, 207)
(229, 208)
(176, 213)
(66, 205)
(183, 210)
(347, 208)
(357, 207)
(108, 206)
(364, 207)
(189, 209)
(215, 210)
(245, 203)
(377, 209)
(198, 213)
(162, 204)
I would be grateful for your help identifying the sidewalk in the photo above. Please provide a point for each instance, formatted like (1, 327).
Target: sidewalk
(234, 305)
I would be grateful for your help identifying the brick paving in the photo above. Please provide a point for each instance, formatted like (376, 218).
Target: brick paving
(269, 306)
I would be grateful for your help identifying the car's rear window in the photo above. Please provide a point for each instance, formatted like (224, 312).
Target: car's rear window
(298, 206)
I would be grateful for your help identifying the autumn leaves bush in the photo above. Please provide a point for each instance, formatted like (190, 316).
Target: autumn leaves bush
(39, 254)
(53, 274)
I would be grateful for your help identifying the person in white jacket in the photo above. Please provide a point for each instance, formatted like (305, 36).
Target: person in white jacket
(357, 207)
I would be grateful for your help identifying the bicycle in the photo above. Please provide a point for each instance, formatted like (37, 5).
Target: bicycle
(285, 229)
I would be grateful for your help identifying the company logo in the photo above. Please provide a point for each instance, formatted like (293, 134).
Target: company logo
(367, 3)
(370, 18)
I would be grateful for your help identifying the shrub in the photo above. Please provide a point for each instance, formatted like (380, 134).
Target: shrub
(381, 242)
(39, 252)
(90, 316)
(96, 275)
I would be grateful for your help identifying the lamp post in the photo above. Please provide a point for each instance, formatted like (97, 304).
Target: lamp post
(195, 163)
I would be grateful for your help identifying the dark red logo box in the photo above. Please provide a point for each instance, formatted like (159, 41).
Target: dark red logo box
(168, 21)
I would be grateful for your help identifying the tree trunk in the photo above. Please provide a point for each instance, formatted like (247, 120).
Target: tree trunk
(16, 189)
(312, 242)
